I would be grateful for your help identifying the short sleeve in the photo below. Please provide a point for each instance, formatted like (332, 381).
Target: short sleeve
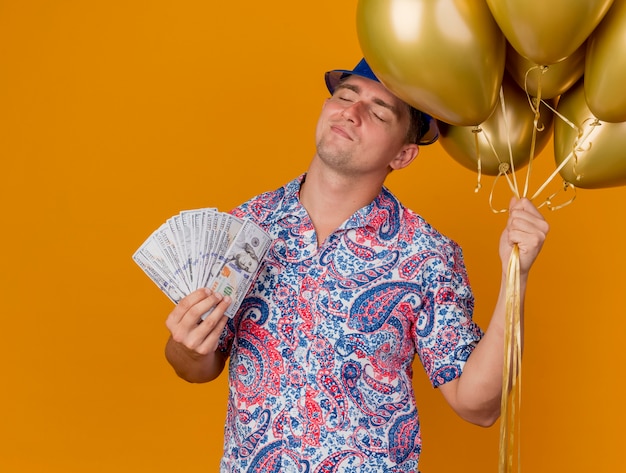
(444, 332)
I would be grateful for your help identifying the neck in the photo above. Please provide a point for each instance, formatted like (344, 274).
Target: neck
(331, 198)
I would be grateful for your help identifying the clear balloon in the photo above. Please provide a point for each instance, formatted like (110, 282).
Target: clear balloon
(511, 125)
(605, 68)
(592, 154)
(547, 31)
(550, 80)
(444, 57)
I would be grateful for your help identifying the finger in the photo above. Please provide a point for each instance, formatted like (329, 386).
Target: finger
(524, 206)
(218, 309)
(201, 309)
(204, 335)
(524, 215)
(525, 224)
(527, 234)
(185, 304)
(213, 333)
(189, 310)
(525, 240)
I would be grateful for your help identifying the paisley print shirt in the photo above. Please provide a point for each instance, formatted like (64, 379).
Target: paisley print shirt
(321, 350)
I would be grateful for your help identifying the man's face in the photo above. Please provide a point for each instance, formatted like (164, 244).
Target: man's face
(246, 262)
(362, 127)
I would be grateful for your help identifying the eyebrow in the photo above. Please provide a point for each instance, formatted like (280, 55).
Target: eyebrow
(376, 100)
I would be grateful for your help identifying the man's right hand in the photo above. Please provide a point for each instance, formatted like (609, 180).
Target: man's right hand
(192, 346)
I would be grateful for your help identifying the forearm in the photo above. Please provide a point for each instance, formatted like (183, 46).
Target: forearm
(191, 366)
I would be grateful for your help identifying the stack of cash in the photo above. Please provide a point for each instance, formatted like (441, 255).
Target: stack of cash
(204, 248)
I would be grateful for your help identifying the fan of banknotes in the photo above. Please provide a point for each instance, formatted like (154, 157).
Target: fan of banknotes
(204, 248)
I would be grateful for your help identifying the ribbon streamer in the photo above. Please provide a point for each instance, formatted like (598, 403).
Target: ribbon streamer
(511, 374)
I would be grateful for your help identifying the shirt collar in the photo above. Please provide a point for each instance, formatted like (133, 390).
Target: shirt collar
(375, 215)
(289, 202)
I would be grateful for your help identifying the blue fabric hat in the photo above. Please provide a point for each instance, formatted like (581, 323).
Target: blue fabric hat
(429, 132)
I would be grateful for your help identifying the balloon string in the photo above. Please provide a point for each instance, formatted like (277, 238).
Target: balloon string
(476, 130)
(572, 155)
(535, 104)
(510, 403)
(502, 171)
(508, 140)
(559, 115)
(503, 168)
(553, 175)
(548, 201)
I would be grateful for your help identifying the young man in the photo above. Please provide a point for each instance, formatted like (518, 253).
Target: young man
(353, 287)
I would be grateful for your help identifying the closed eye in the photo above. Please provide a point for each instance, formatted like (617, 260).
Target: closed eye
(379, 117)
(345, 95)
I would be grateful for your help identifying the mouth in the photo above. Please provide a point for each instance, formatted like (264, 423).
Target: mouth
(339, 130)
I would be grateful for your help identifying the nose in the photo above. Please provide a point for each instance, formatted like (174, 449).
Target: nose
(354, 112)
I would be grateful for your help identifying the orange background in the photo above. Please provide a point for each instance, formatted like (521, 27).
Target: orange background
(115, 115)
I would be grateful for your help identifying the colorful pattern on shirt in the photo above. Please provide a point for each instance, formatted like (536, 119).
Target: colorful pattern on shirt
(321, 350)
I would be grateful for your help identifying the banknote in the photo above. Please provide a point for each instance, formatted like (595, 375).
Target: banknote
(204, 248)
(239, 264)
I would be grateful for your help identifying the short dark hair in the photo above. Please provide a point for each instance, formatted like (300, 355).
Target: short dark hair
(418, 126)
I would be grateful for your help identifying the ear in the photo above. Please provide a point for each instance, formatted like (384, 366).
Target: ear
(405, 156)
